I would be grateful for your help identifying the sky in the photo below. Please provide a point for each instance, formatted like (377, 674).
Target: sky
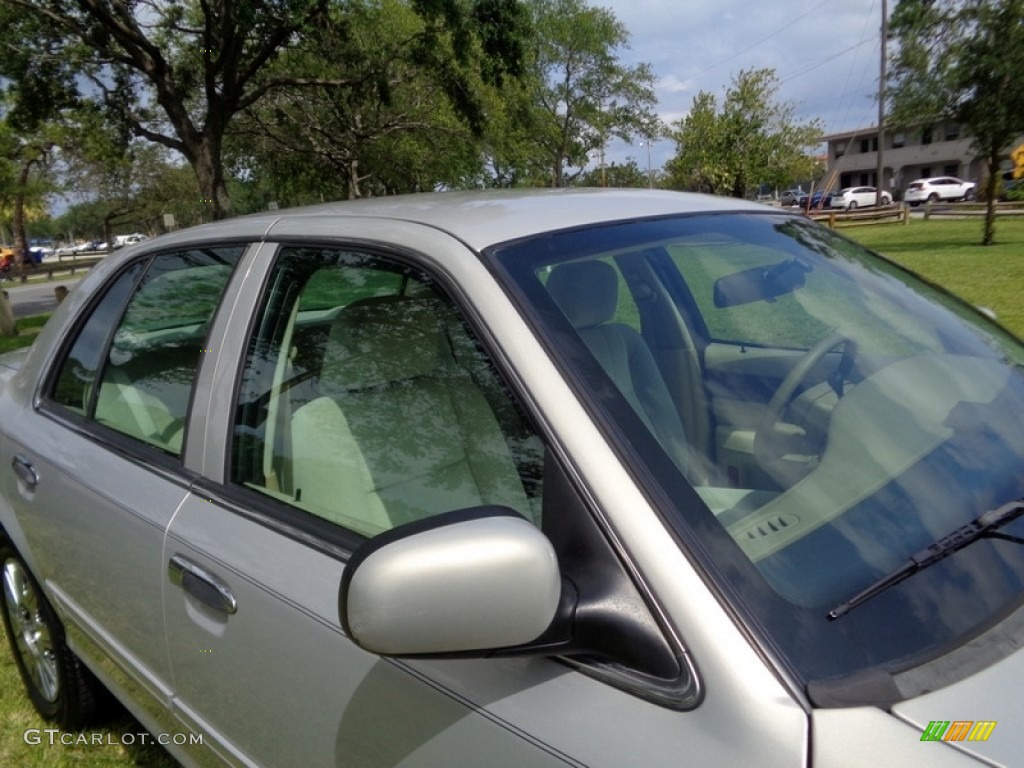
(826, 55)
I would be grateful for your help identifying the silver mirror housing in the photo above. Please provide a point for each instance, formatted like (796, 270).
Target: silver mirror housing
(472, 580)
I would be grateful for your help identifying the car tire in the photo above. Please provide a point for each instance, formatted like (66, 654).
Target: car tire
(933, 197)
(852, 206)
(886, 200)
(969, 196)
(60, 687)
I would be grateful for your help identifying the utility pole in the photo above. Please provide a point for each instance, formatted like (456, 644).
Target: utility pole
(880, 170)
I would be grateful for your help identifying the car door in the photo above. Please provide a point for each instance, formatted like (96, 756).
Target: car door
(261, 666)
(100, 457)
(367, 400)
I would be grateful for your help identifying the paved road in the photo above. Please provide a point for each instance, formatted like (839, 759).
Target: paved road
(35, 298)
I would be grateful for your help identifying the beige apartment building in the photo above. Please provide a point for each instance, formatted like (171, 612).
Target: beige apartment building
(940, 149)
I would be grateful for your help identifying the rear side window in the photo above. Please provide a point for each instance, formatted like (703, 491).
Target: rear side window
(133, 365)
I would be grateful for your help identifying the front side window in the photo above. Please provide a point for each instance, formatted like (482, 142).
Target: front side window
(806, 411)
(134, 361)
(367, 402)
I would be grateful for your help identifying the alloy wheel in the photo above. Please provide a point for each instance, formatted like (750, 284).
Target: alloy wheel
(32, 634)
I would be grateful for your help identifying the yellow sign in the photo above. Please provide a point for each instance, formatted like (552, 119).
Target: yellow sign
(1018, 162)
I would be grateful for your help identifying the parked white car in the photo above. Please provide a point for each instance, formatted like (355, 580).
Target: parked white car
(134, 239)
(858, 197)
(939, 188)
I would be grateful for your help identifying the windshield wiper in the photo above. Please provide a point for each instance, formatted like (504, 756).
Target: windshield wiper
(984, 525)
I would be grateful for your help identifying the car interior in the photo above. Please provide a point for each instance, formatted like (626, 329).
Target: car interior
(383, 409)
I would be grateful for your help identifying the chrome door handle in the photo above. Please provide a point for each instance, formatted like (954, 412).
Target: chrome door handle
(25, 471)
(204, 586)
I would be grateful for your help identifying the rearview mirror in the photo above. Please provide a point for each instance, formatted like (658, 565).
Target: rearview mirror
(760, 283)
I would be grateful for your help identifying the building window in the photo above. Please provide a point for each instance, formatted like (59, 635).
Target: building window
(840, 149)
(926, 135)
(950, 170)
(952, 131)
(899, 139)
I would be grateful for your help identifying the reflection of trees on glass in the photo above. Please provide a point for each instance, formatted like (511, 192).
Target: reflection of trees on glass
(77, 373)
(385, 409)
(180, 289)
(155, 351)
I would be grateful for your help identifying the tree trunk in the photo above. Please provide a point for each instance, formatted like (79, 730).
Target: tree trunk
(18, 216)
(209, 170)
(991, 190)
(7, 326)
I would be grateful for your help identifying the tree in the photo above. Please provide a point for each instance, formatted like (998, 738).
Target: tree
(581, 96)
(393, 128)
(24, 180)
(178, 73)
(130, 191)
(961, 60)
(752, 140)
(626, 174)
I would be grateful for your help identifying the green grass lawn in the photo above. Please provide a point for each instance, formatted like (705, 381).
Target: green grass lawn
(947, 252)
(27, 327)
(20, 725)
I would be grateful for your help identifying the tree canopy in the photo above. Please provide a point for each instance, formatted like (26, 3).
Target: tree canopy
(179, 73)
(962, 60)
(751, 140)
(579, 94)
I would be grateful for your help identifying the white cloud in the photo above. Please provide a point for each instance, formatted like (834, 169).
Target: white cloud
(824, 53)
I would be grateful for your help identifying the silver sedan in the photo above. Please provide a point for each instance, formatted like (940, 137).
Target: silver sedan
(591, 478)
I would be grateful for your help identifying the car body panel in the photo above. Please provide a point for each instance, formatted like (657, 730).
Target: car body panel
(878, 739)
(103, 585)
(328, 695)
(982, 696)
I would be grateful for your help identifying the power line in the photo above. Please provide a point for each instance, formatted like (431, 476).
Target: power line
(812, 67)
(767, 37)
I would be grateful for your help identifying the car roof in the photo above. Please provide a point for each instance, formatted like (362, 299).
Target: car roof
(482, 218)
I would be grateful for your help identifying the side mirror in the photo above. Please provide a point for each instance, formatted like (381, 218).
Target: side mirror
(460, 582)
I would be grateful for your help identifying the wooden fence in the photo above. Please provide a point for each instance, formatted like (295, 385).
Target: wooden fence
(900, 214)
(889, 214)
(50, 268)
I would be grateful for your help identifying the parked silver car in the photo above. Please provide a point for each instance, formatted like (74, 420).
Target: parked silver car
(791, 197)
(547, 478)
(939, 188)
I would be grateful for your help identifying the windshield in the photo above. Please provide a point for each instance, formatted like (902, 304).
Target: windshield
(807, 415)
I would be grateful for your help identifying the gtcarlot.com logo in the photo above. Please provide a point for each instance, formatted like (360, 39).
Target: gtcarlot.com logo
(958, 730)
(52, 736)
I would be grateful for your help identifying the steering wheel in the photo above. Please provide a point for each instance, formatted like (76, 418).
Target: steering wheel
(767, 447)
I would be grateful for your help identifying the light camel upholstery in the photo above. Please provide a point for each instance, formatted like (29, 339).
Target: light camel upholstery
(587, 292)
(145, 394)
(399, 431)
